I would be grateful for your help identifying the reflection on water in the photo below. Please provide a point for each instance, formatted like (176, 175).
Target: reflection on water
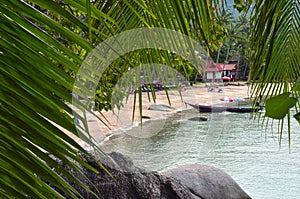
(232, 142)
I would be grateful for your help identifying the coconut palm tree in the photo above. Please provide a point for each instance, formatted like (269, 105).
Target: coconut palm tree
(42, 45)
(223, 18)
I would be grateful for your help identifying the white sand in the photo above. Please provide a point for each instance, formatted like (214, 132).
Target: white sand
(122, 120)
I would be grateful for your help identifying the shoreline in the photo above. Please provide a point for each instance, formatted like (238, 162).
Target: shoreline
(122, 123)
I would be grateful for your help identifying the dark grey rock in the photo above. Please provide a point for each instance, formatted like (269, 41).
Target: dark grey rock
(160, 107)
(130, 181)
(207, 182)
(198, 119)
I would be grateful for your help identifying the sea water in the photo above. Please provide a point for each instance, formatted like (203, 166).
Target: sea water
(264, 165)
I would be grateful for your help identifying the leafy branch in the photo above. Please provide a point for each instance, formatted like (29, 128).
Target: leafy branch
(279, 106)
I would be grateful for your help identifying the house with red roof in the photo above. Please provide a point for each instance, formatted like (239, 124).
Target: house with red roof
(213, 72)
(216, 72)
(229, 70)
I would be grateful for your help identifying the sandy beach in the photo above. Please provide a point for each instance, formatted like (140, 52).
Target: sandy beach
(121, 120)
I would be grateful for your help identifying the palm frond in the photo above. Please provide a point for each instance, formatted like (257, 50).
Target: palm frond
(275, 40)
(42, 45)
(34, 95)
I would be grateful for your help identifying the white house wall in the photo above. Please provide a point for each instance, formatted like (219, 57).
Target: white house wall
(210, 75)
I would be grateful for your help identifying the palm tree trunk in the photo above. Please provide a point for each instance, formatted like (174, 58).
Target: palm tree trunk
(218, 56)
(229, 42)
(227, 54)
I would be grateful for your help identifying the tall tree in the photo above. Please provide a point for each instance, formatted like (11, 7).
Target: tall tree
(223, 18)
(43, 43)
(42, 46)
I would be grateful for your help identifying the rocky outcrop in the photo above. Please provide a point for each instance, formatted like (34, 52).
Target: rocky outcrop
(207, 182)
(161, 107)
(135, 182)
(129, 181)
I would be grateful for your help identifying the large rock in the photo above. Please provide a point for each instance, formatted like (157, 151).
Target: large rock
(161, 107)
(129, 181)
(207, 182)
(136, 182)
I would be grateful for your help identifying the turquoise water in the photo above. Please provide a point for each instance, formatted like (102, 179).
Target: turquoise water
(233, 142)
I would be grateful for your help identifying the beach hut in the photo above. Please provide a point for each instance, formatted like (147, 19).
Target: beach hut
(213, 72)
(229, 71)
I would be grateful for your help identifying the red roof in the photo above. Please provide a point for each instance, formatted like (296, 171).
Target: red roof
(212, 67)
(227, 66)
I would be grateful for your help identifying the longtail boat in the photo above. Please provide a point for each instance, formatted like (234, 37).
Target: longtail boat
(208, 109)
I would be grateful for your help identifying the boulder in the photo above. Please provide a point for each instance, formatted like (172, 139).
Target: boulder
(136, 182)
(161, 107)
(129, 181)
(198, 119)
(207, 182)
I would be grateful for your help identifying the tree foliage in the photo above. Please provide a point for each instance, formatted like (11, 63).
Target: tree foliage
(43, 44)
(275, 55)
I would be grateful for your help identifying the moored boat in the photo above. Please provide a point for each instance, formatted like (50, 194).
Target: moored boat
(208, 109)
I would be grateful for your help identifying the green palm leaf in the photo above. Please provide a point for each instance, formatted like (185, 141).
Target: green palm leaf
(33, 93)
(275, 40)
(42, 45)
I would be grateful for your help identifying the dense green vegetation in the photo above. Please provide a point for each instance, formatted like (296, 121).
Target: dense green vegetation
(43, 44)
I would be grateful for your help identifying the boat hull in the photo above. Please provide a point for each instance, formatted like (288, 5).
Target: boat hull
(209, 109)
